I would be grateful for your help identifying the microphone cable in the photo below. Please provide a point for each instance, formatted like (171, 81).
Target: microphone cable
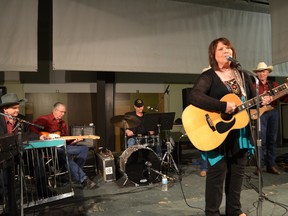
(180, 177)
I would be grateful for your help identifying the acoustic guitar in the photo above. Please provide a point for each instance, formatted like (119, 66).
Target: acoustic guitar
(207, 130)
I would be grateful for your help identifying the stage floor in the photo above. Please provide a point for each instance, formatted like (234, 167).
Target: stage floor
(185, 195)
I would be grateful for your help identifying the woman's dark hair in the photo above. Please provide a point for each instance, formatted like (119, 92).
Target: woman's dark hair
(212, 50)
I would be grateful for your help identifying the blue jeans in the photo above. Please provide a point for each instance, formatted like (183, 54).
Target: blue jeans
(269, 133)
(77, 155)
(131, 141)
(204, 164)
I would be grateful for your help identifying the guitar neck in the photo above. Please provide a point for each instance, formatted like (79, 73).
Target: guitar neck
(57, 135)
(81, 137)
(276, 93)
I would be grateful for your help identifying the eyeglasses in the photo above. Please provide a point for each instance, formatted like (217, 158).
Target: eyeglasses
(61, 111)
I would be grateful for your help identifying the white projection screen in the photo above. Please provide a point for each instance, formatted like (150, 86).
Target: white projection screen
(279, 16)
(18, 35)
(152, 35)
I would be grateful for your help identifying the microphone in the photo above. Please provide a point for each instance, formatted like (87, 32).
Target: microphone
(238, 65)
(183, 135)
(151, 108)
(229, 58)
(167, 90)
(148, 163)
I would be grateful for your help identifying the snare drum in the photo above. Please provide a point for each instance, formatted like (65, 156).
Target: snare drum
(133, 164)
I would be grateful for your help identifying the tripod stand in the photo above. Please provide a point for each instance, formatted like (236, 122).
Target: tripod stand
(168, 158)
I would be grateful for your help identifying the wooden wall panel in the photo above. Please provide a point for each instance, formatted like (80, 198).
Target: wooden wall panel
(41, 104)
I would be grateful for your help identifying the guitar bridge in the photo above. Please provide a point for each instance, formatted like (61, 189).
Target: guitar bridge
(210, 123)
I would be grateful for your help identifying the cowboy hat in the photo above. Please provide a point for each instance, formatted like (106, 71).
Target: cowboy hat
(263, 66)
(10, 99)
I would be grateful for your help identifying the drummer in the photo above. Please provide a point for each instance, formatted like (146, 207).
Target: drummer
(135, 134)
(139, 135)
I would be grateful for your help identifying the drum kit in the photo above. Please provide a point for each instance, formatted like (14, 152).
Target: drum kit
(139, 163)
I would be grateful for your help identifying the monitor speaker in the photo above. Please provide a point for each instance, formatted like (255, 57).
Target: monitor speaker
(3, 91)
(84, 130)
(284, 123)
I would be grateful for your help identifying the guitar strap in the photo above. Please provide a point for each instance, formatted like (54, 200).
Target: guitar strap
(240, 80)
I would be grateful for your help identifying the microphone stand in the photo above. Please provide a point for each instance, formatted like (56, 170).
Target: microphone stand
(258, 138)
(162, 98)
(19, 127)
(148, 165)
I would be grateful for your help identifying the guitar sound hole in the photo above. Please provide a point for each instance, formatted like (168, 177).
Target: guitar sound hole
(226, 116)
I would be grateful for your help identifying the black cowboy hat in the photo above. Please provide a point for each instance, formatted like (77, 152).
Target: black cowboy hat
(10, 99)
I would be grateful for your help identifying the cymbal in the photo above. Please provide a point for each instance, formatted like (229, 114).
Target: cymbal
(125, 121)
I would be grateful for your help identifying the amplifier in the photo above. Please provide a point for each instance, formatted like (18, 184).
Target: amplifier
(84, 130)
(106, 166)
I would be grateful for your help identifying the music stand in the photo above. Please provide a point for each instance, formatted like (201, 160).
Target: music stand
(153, 121)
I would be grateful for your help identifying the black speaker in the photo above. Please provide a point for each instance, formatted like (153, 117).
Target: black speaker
(284, 123)
(185, 94)
(3, 91)
(84, 130)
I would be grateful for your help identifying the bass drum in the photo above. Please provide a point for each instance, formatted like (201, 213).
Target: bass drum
(138, 163)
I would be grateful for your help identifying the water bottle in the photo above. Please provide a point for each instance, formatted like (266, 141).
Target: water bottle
(164, 183)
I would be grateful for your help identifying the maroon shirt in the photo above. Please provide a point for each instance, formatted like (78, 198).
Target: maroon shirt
(51, 125)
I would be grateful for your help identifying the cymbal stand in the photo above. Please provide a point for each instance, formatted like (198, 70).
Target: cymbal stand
(168, 156)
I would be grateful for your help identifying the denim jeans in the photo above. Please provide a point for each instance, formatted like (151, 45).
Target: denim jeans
(131, 141)
(204, 164)
(269, 133)
(77, 155)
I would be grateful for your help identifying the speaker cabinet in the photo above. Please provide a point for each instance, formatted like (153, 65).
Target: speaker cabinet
(185, 94)
(106, 166)
(3, 91)
(84, 130)
(284, 123)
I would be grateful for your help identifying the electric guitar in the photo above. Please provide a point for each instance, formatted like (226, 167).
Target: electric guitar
(253, 112)
(263, 109)
(56, 135)
(207, 130)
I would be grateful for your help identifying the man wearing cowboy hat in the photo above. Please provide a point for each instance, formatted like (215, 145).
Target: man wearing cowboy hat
(269, 120)
(10, 108)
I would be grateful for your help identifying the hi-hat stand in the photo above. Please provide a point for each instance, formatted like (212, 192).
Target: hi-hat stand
(168, 158)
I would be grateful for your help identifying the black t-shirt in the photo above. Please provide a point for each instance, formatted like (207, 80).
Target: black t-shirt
(139, 130)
